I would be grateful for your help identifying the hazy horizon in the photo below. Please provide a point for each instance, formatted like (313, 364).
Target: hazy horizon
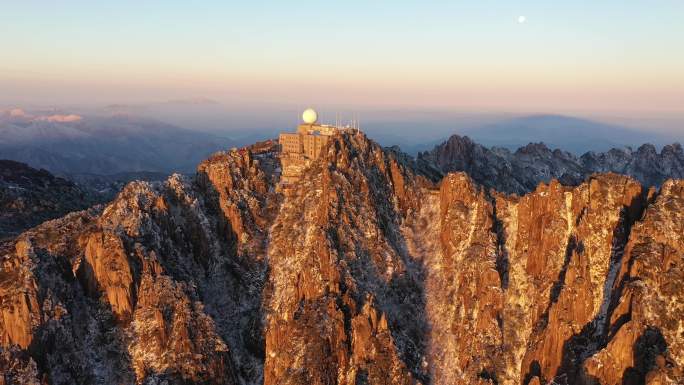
(581, 58)
(412, 129)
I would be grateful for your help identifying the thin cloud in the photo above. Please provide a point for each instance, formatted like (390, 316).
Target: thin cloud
(60, 118)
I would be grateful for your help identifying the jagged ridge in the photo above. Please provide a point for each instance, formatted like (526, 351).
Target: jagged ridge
(521, 171)
(363, 272)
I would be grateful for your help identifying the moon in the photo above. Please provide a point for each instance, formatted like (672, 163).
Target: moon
(522, 19)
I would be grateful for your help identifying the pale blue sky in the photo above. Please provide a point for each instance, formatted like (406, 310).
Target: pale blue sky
(612, 55)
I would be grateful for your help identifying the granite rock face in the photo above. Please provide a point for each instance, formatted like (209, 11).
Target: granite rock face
(521, 171)
(644, 332)
(368, 270)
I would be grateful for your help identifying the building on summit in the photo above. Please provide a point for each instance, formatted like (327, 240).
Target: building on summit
(299, 149)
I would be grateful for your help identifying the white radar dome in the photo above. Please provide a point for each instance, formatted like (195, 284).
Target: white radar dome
(309, 116)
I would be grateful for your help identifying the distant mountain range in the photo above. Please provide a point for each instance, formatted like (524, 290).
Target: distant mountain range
(418, 130)
(520, 171)
(72, 144)
(124, 145)
(567, 133)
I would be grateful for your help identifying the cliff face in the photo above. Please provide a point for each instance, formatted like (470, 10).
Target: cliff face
(521, 171)
(341, 279)
(362, 272)
(644, 343)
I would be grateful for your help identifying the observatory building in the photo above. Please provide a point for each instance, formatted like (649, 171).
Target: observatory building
(298, 149)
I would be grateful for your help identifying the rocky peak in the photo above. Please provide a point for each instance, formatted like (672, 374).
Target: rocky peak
(673, 151)
(647, 149)
(339, 269)
(539, 149)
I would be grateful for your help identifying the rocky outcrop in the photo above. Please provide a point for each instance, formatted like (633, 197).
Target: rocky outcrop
(464, 288)
(563, 247)
(519, 290)
(367, 270)
(20, 310)
(645, 326)
(152, 288)
(521, 171)
(339, 272)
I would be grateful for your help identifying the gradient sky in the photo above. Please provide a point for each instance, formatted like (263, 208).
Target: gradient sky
(607, 55)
